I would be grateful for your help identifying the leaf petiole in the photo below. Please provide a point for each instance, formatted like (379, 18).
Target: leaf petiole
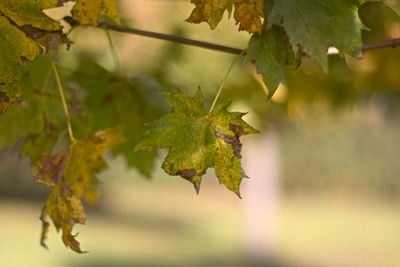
(225, 79)
(60, 89)
(113, 51)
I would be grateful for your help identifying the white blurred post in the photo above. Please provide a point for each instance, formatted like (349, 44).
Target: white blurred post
(260, 194)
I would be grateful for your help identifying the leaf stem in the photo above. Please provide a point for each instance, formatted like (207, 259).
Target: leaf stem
(60, 89)
(113, 51)
(224, 80)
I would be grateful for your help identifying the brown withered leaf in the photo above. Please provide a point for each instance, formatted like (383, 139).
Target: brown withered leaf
(50, 169)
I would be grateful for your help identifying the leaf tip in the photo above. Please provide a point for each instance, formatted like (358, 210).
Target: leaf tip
(197, 186)
(238, 194)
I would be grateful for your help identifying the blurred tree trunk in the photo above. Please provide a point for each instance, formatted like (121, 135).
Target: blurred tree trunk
(260, 195)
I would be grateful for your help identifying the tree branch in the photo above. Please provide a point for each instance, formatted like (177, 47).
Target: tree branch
(237, 51)
(173, 38)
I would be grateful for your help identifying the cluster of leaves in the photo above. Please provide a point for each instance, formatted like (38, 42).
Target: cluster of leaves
(108, 112)
(289, 28)
(25, 29)
(37, 115)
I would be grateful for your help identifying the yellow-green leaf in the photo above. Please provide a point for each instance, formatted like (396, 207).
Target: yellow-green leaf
(210, 11)
(248, 13)
(21, 24)
(85, 159)
(197, 140)
(65, 209)
(87, 12)
(28, 12)
(73, 176)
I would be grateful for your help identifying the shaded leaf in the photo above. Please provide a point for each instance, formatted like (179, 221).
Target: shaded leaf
(197, 140)
(115, 101)
(38, 118)
(315, 25)
(271, 52)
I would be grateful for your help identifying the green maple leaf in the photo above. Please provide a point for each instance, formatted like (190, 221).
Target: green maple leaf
(271, 52)
(72, 174)
(315, 25)
(197, 140)
(23, 26)
(38, 118)
(115, 101)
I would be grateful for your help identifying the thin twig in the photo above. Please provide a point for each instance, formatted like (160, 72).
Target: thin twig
(224, 80)
(60, 89)
(381, 44)
(182, 40)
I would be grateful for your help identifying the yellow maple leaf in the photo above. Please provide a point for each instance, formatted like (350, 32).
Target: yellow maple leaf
(248, 13)
(72, 173)
(210, 11)
(87, 12)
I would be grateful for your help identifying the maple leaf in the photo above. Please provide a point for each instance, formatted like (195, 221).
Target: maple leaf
(23, 26)
(248, 13)
(65, 210)
(271, 52)
(197, 140)
(336, 24)
(115, 101)
(72, 174)
(209, 11)
(85, 159)
(21, 120)
(38, 119)
(87, 12)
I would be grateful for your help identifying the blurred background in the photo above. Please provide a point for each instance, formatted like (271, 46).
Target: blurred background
(324, 187)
